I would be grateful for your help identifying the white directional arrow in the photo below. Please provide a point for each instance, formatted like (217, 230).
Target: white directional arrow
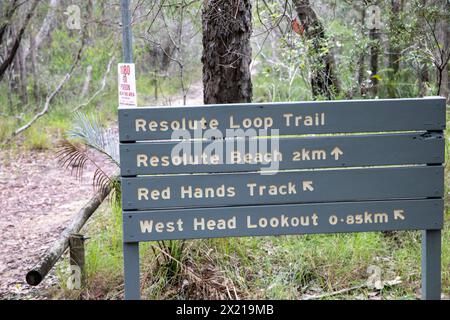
(399, 214)
(307, 185)
(336, 152)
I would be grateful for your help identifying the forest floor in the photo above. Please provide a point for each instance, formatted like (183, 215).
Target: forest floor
(38, 198)
(194, 95)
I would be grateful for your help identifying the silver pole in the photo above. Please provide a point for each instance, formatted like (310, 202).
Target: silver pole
(127, 35)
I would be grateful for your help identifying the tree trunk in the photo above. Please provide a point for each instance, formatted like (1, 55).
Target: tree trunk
(89, 17)
(51, 256)
(227, 27)
(324, 82)
(46, 27)
(445, 49)
(424, 75)
(18, 39)
(374, 53)
(362, 56)
(394, 52)
(15, 68)
(424, 79)
(23, 76)
(448, 67)
(34, 72)
(87, 81)
(7, 11)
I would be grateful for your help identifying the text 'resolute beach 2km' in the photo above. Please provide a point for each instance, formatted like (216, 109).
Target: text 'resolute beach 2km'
(342, 166)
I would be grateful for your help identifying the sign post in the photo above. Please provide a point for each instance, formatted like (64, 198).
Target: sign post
(283, 169)
(130, 250)
(431, 264)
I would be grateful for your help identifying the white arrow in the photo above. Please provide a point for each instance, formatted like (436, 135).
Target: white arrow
(399, 214)
(307, 185)
(336, 153)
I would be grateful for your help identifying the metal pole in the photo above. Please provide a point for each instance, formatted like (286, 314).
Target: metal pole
(431, 264)
(132, 282)
(130, 250)
(127, 35)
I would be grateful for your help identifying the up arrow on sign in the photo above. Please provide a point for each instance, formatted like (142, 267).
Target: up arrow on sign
(307, 185)
(336, 153)
(399, 214)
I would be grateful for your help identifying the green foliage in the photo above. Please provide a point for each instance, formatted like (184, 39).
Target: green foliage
(73, 152)
(63, 46)
(7, 126)
(103, 260)
(37, 138)
(104, 251)
(273, 86)
(284, 267)
(88, 130)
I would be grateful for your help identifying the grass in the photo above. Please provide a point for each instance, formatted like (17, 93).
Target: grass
(283, 267)
(51, 127)
(6, 127)
(37, 138)
(103, 258)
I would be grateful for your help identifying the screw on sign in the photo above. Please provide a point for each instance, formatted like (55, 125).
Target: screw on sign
(389, 179)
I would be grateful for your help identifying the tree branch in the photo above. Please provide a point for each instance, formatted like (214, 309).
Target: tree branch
(102, 87)
(5, 64)
(50, 97)
(45, 28)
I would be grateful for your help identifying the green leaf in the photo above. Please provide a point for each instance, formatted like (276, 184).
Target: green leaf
(377, 77)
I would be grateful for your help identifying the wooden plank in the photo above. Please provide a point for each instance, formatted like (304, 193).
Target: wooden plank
(290, 118)
(291, 153)
(228, 189)
(283, 219)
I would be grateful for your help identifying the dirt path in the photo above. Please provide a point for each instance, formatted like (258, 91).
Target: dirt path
(194, 95)
(37, 199)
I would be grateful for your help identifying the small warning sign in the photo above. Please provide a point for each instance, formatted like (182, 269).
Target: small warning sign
(127, 85)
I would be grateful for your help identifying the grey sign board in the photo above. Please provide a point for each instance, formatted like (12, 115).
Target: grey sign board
(343, 166)
(290, 118)
(290, 153)
(283, 219)
(211, 190)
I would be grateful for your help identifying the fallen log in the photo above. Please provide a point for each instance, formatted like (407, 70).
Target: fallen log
(37, 274)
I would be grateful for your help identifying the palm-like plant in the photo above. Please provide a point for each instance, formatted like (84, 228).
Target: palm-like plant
(74, 152)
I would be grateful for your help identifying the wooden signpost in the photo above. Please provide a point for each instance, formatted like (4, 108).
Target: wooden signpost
(342, 166)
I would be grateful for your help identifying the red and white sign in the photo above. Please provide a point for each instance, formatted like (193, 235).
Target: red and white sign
(127, 85)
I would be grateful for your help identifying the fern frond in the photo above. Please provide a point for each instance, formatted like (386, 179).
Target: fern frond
(89, 131)
(72, 152)
(101, 182)
(73, 157)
